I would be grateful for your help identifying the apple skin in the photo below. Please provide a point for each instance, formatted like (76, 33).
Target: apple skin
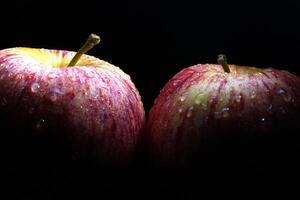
(92, 108)
(204, 116)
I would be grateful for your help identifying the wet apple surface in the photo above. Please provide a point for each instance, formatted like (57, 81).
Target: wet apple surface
(92, 108)
(205, 113)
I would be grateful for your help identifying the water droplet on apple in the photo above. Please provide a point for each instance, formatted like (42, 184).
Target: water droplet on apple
(165, 125)
(238, 98)
(2, 76)
(285, 95)
(263, 125)
(34, 87)
(54, 93)
(253, 95)
(180, 110)
(40, 123)
(281, 91)
(182, 98)
(225, 112)
(52, 75)
(269, 109)
(190, 112)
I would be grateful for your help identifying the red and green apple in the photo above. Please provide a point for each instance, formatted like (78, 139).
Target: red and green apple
(90, 105)
(208, 112)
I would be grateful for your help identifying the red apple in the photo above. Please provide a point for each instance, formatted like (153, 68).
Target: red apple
(91, 107)
(206, 112)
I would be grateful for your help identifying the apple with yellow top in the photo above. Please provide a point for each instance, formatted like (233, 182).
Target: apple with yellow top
(81, 101)
(213, 114)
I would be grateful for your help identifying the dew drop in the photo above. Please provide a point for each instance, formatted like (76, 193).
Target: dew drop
(182, 98)
(54, 93)
(34, 87)
(253, 95)
(285, 95)
(263, 124)
(40, 123)
(52, 75)
(281, 91)
(57, 91)
(180, 110)
(175, 82)
(238, 98)
(225, 112)
(2, 76)
(269, 108)
(165, 125)
(190, 112)
(53, 97)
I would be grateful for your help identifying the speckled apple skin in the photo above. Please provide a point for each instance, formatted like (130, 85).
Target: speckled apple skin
(203, 112)
(93, 107)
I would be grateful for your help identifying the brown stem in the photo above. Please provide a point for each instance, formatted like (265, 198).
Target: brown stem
(92, 40)
(222, 60)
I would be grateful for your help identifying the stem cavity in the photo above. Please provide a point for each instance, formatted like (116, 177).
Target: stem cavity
(92, 41)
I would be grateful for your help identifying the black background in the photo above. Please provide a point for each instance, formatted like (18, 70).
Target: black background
(151, 41)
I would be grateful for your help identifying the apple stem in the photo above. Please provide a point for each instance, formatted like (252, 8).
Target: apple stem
(222, 60)
(92, 41)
